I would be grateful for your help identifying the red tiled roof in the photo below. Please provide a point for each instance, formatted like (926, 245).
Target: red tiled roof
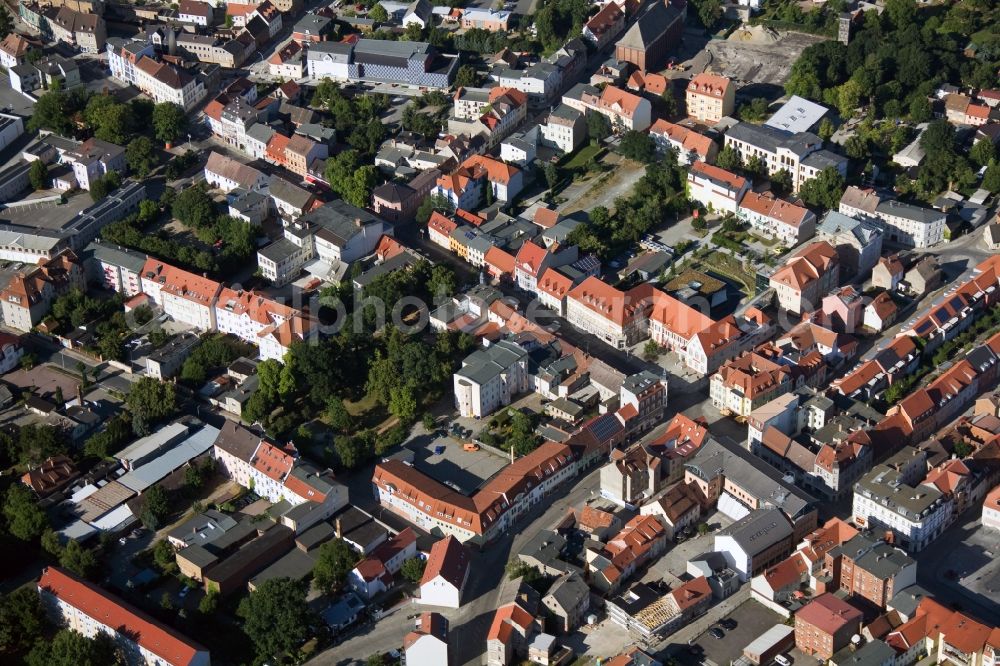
(829, 614)
(448, 559)
(272, 461)
(500, 259)
(111, 612)
(728, 178)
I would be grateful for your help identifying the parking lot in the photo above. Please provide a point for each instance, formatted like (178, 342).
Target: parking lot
(673, 565)
(444, 458)
(749, 621)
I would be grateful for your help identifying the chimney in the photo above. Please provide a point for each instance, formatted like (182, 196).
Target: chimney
(357, 222)
(340, 532)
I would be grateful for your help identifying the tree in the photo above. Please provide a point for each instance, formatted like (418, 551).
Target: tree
(982, 153)
(169, 121)
(638, 146)
(108, 118)
(413, 569)
(826, 129)
(194, 207)
(6, 22)
(755, 111)
(334, 561)
(276, 617)
(466, 77)
(69, 648)
(442, 281)
(209, 603)
(21, 619)
(781, 182)
(598, 127)
(155, 507)
(403, 404)
(338, 416)
(825, 190)
(52, 113)
(551, 173)
(98, 189)
(78, 559)
(427, 420)
(901, 12)
(352, 181)
(151, 399)
(377, 659)
(651, 351)
(378, 13)
(703, 529)
(25, 520)
(991, 179)
(38, 174)
(729, 159)
(709, 12)
(141, 156)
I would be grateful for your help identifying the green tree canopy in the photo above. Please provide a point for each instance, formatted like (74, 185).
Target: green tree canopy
(334, 560)
(169, 121)
(38, 174)
(21, 619)
(69, 648)
(276, 617)
(140, 154)
(378, 14)
(638, 146)
(598, 127)
(25, 520)
(151, 399)
(825, 190)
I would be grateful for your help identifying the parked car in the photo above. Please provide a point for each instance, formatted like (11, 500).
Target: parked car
(782, 660)
(715, 632)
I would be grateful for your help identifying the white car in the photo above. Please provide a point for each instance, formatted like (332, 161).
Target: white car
(782, 660)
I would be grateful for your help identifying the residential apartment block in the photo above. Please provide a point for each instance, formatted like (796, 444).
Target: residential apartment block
(788, 223)
(806, 278)
(710, 97)
(624, 110)
(716, 188)
(88, 610)
(136, 63)
(904, 224)
(801, 154)
(491, 378)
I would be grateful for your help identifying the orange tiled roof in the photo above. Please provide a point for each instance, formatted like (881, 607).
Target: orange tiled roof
(807, 266)
(94, 602)
(554, 283)
(711, 85)
(614, 304)
(500, 259)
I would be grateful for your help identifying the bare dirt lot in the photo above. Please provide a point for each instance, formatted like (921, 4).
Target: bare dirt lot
(760, 60)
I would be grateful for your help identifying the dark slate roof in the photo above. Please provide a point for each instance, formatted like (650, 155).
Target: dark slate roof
(650, 26)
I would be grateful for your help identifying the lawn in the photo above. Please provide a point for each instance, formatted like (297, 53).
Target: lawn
(580, 159)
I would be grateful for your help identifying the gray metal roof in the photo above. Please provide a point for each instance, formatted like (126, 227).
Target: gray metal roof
(340, 220)
(909, 211)
(875, 556)
(288, 192)
(163, 438)
(152, 472)
(568, 590)
(873, 653)
(884, 486)
(279, 250)
(771, 139)
(118, 256)
(203, 528)
(759, 530)
(752, 474)
(483, 365)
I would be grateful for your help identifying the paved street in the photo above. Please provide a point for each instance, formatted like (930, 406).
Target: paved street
(472, 621)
